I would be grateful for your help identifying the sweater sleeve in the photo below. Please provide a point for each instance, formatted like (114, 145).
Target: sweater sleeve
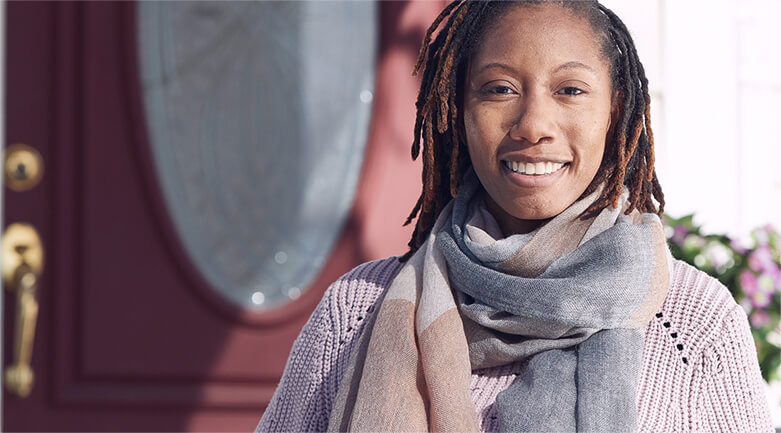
(298, 402)
(731, 394)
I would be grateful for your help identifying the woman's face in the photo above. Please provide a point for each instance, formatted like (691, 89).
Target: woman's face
(537, 109)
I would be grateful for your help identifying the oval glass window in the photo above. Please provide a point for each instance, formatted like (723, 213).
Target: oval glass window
(257, 114)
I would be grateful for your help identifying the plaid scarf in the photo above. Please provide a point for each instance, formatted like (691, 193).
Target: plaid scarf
(570, 299)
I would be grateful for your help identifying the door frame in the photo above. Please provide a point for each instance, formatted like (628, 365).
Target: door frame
(2, 166)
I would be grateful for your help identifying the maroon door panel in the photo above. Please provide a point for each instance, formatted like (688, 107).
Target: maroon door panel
(130, 337)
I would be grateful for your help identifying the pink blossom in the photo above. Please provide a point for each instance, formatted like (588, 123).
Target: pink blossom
(759, 318)
(760, 299)
(776, 279)
(761, 236)
(748, 282)
(736, 245)
(761, 259)
(679, 235)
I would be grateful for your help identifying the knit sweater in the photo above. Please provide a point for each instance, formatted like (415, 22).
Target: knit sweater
(699, 370)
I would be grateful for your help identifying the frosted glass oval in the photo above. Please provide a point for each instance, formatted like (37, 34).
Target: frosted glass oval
(257, 114)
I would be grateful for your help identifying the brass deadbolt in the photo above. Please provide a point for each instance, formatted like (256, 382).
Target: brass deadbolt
(23, 167)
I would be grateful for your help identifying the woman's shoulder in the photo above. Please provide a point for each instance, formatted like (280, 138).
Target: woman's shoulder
(699, 316)
(696, 307)
(378, 272)
(696, 300)
(689, 323)
(353, 298)
(362, 285)
(699, 363)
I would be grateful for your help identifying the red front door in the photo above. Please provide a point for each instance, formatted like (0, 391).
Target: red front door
(129, 334)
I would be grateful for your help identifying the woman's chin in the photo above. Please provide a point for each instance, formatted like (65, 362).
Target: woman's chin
(523, 216)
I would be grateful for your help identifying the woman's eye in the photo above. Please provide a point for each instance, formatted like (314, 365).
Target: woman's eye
(570, 91)
(500, 90)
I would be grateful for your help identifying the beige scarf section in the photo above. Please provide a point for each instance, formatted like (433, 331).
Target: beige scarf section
(411, 323)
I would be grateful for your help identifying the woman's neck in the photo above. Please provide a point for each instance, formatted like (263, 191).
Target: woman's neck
(509, 224)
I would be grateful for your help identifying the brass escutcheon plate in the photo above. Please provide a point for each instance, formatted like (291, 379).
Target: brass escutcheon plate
(20, 243)
(23, 167)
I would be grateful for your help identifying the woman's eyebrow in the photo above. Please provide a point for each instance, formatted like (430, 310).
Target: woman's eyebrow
(569, 65)
(497, 65)
(574, 65)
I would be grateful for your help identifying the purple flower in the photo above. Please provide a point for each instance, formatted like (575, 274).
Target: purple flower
(748, 282)
(761, 236)
(761, 260)
(759, 318)
(776, 276)
(735, 245)
(679, 235)
(760, 299)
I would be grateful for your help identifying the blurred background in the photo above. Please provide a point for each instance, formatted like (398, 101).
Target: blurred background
(184, 179)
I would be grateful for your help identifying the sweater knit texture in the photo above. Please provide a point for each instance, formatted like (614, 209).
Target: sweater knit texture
(699, 371)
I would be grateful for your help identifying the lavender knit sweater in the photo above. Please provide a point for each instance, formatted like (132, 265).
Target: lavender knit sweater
(699, 371)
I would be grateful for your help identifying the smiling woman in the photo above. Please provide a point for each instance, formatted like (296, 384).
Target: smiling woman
(538, 293)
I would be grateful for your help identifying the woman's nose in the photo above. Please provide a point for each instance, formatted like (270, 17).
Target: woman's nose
(535, 122)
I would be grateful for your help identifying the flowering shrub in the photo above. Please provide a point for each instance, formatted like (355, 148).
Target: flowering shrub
(751, 272)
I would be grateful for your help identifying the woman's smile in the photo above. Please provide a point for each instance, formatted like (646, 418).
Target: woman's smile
(534, 174)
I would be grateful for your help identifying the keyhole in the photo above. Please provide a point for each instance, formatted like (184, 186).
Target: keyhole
(21, 171)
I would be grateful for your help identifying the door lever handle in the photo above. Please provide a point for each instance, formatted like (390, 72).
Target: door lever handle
(22, 265)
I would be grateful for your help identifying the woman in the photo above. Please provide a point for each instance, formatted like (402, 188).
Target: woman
(538, 293)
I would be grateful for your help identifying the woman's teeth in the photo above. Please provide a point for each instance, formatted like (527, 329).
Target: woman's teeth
(530, 168)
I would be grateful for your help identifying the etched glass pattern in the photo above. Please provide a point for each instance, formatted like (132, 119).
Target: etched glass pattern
(257, 114)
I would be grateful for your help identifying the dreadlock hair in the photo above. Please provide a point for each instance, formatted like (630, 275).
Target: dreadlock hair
(629, 153)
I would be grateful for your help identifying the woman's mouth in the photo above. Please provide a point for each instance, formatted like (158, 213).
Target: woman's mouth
(540, 174)
(534, 168)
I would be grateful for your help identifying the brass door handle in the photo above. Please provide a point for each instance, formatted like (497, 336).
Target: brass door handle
(22, 265)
